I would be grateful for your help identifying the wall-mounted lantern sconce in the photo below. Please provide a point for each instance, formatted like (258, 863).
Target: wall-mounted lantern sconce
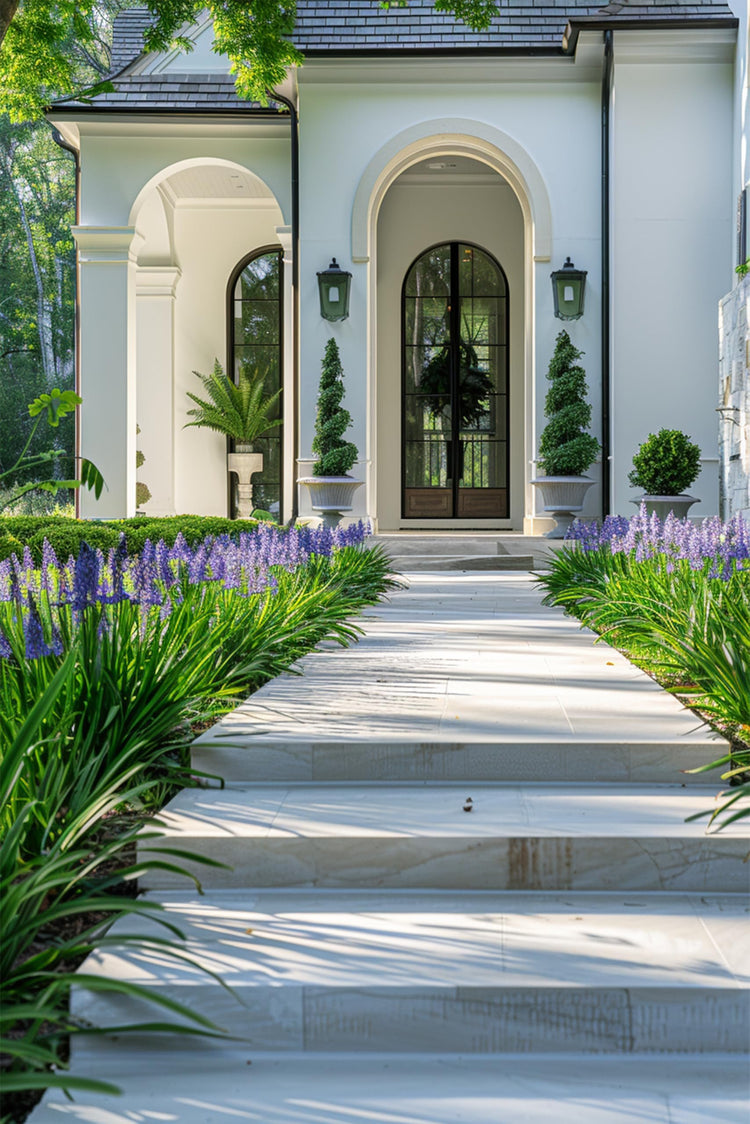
(568, 290)
(334, 284)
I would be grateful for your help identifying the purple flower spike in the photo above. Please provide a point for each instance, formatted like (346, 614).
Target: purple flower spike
(85, 578)
(6, 581)
(33, 633)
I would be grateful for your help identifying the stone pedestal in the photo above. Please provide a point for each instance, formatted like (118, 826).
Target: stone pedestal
(245, 466)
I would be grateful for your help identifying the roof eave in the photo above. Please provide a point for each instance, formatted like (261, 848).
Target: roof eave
(577, 24)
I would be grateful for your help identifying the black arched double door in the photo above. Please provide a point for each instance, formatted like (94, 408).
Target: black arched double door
(455, 386)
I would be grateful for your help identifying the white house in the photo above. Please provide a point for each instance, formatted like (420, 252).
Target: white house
(424, 151)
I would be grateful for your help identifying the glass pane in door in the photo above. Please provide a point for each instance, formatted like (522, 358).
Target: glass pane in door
(455, 396)
(427, 405)
(483, 387)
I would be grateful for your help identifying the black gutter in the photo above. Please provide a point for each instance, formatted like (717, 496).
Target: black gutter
(62, 143)
(606, 316)
(163, 111)
(640, 23)
(294, 122)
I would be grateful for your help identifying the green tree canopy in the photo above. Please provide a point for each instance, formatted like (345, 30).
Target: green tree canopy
(42, 42)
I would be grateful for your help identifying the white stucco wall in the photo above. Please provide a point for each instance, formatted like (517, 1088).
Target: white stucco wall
(741, 128)
(209, 242)
(344, 123)
(672, 246)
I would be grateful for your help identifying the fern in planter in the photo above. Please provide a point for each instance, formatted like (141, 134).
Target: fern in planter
(335, 456)
(239, 410)
(565, 447)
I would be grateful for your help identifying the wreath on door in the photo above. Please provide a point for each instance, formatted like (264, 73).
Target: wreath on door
(474, 386)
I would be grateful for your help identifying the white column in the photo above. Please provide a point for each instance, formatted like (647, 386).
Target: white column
(108, 416)
(155, 289)
(289, 342)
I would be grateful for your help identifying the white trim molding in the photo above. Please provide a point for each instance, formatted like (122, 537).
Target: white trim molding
(452, 136)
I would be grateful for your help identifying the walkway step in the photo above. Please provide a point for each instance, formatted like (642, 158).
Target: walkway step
(464, 973)
(232, 751)
(462, 678)
(403, 563)
(389, 1089)
(540, 837)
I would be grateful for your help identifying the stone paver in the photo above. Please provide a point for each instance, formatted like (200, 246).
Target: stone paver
(570, 949)
(462, 677)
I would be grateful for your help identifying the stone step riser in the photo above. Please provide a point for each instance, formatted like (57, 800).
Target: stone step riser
(582, 762)
(715, 864)
(441, 544)
(465, 1020)
(405, 563)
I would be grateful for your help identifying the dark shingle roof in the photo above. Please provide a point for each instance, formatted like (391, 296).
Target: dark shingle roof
(127, 37)
(214, 92)
(331, 27)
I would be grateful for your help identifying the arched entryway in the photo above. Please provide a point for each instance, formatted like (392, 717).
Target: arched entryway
(451, 276)
(455, 385)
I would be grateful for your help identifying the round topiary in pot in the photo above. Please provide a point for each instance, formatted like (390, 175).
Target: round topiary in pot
(666, 464)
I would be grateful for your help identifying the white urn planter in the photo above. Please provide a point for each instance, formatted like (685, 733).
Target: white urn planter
(563, 498)
(662, 506)
(332, 496)
(245, 465)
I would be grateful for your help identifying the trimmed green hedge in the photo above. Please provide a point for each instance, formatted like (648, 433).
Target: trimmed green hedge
(66, 535)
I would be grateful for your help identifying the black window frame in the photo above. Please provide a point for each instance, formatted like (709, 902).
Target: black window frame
(234, 277)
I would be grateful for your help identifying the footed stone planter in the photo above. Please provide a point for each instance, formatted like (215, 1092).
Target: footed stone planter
(331, 495)
(245, 465)
(664, 505)
(563, 498)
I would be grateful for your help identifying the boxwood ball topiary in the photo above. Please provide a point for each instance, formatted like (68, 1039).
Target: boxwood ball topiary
(666, 463)
(565, 448)
(335, 456)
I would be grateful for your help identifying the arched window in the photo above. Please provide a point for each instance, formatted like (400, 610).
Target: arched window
(455, 385)
(255, 344)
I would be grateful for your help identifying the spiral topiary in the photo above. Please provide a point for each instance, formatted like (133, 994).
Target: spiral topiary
(565, 448)
(335, 456)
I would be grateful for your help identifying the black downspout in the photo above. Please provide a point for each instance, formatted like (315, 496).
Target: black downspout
(60, 140)
(295, 290)
(606, 327)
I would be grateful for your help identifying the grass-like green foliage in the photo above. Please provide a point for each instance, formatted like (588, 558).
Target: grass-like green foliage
(666, 463)
(688, 626)
(335, 456)
(565, 448)
(241, 410)
(66, 535)
(103, 728)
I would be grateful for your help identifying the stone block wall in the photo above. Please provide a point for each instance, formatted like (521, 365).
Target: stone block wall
(734, 401)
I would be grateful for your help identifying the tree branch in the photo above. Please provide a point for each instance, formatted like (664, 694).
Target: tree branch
(8, 9)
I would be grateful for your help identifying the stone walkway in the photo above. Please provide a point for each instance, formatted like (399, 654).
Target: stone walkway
(569, 949)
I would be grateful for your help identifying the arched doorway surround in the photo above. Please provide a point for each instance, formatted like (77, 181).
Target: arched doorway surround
(196, 222)
(455, 385)
(499, 152)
